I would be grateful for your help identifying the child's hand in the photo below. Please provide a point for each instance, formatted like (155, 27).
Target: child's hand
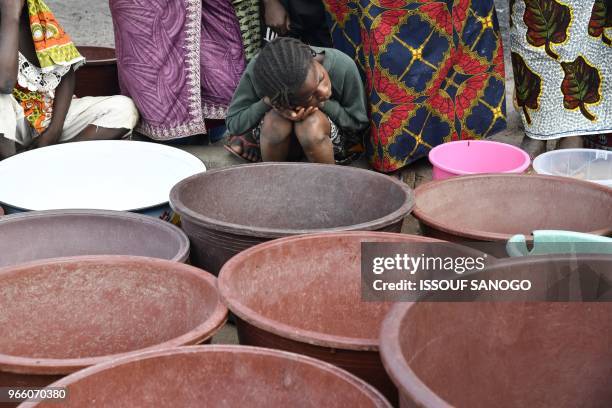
(11, 7)
(47, 138)
(303, 113)
(287, 114)
(266, 100)
(297, 115)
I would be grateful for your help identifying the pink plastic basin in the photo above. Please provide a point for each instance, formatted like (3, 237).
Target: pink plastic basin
(476, 157)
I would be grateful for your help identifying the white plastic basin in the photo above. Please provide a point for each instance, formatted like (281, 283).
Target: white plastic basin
(106, 175)
(587, 164)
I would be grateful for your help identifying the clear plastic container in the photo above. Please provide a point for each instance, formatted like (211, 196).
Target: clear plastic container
(586, 164)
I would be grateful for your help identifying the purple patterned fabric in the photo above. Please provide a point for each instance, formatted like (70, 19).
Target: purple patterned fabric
(179, 60)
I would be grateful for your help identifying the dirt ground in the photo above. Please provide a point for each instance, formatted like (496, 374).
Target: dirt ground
(87, 21)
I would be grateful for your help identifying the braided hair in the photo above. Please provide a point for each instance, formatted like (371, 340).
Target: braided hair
(281, 69)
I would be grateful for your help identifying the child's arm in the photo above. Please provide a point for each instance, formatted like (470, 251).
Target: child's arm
(61, 104)
(10, 11)
(348, 110)
(246, 109)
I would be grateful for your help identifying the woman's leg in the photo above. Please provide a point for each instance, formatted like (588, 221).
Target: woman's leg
(313, 134)
(533, 147)
(275, 137)
(571, 142)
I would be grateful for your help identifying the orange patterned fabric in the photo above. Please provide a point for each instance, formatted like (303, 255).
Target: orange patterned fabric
(55, 52)
(53, 46)
(36, 107)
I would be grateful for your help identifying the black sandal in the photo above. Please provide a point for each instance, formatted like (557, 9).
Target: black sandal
(246, 145)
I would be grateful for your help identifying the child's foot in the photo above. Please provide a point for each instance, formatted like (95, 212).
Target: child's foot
(571, 142)
(244, 147)
(533, 147)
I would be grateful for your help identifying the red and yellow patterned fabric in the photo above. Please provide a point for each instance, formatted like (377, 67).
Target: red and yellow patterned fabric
(434, 72)
(35, 106)
(53, 46)
(55, 53)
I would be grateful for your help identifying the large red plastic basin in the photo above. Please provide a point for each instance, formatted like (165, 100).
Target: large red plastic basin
(217, 376)
(229, 210)
(492, 208)
(303, 294)
(39, 235)
(513, 354)
(62, 315)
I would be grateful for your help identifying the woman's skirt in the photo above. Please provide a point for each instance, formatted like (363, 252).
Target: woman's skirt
(180, 61)
(562, 61)
(249, 18)
(434, 72)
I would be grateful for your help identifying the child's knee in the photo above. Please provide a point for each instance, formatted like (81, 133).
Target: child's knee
(276, 129)
(313, 130)
(274, 137)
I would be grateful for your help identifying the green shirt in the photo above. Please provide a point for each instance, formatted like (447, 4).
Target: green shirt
(346, 108)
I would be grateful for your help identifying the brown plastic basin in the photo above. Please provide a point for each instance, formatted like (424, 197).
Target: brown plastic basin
(51, 234)
(59, 316)
(506, 354)
(303, 294)
(217, 376)
(98, 77)
(494, 207)
(229, 210)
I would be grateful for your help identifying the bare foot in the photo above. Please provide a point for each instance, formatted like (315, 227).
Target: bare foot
(572, 142)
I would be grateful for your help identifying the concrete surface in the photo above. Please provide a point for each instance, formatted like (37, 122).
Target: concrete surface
(87, 21)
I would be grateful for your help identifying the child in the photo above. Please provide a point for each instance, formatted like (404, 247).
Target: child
(37, 64)
(294, 99)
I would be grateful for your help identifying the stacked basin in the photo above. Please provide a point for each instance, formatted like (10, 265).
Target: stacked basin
(217, 376)
(59, 316)
(492, 208)
(228, 210)
(303, 294)
(39, 235)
